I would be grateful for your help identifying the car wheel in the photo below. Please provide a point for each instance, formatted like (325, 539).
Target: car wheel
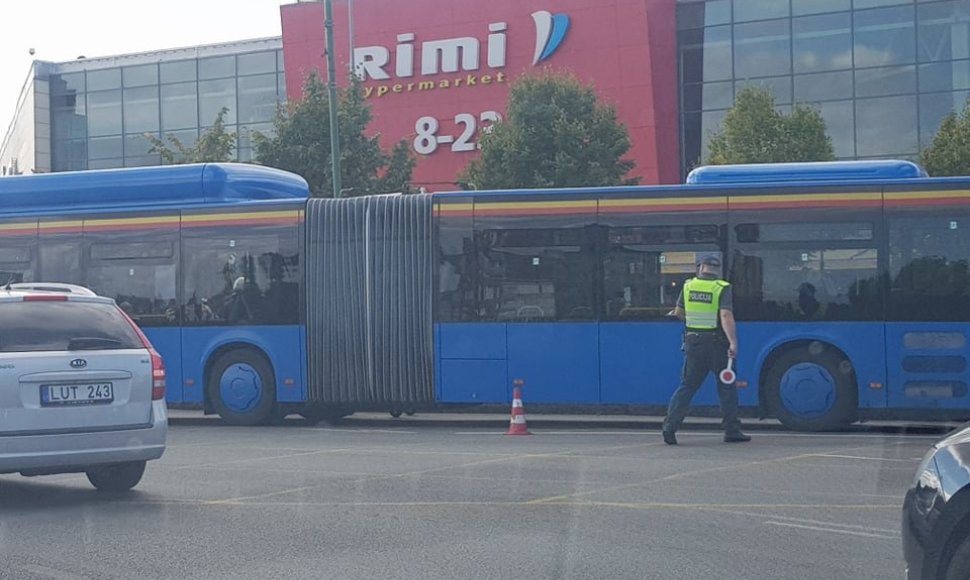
(811, 389)
(395, 413)
(959, 565)
(242, 388)
(116, 477)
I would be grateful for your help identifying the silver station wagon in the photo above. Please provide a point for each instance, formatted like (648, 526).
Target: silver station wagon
(81, 388)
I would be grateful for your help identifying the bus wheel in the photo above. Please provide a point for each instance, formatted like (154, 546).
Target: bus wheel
(812, 389)
(241, 387)
(395, 413)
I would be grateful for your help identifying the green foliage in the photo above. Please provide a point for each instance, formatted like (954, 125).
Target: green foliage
(556, 135)
(214, 145)
(301, 144)
(754, 131)
(949, 154)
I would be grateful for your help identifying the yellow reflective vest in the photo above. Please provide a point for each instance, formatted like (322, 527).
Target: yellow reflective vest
(702, 303)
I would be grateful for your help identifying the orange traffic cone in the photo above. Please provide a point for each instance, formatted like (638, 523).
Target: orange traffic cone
(517, 425)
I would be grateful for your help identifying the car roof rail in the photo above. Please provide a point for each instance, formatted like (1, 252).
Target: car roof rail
(54, 287)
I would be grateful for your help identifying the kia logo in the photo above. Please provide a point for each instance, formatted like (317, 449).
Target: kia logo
(79, 363)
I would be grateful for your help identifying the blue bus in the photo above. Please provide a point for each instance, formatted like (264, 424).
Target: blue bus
(851, 284)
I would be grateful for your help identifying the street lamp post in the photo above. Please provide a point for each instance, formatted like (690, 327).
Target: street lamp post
(332, 93)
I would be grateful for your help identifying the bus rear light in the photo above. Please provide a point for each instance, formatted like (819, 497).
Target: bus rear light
(875, 385)
(741, 384)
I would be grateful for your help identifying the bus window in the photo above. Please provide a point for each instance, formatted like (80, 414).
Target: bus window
(806, 272)
(138, 274)
(242, 277)
(60, 261)
(928, 268)
(536, 274)
(645, 268)
(457, 288)
(16, 264)
(791, 284)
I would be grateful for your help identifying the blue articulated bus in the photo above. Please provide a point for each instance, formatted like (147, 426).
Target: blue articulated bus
(851, 287)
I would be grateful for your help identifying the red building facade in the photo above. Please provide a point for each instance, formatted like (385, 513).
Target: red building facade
(437, 71)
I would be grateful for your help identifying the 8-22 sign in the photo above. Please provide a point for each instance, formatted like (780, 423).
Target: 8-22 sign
(427, 140)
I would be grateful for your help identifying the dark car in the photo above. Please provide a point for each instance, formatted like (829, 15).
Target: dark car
(936, 513)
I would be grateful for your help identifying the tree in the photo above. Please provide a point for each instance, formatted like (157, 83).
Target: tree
(949, 154)
(754, 131)
(214, 145)
(556, 134)
(301, 144)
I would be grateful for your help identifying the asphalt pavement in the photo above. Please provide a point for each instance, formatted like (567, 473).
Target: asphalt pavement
(425, 500)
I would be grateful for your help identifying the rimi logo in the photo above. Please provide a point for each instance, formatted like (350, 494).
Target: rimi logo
(451, 55)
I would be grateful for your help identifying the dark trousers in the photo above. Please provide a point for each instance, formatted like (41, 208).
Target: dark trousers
(704, 353)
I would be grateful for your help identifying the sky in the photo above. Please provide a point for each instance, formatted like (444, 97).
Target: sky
(60, 30)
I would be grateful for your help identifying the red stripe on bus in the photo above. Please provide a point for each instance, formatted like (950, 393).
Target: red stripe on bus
(291, 220)
(462, 213)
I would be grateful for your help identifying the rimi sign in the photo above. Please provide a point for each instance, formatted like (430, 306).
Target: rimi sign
(437, 72)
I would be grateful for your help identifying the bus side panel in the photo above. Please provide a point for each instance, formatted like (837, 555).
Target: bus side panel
(473, 365)
(928, 365)
(559, 362)
(281, 344)
(862, 342)
(640, 363)
(168, 342)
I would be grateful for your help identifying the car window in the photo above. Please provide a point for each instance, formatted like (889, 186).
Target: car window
(39, 326)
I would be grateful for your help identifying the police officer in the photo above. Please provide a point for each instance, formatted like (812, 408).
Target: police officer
(709, 339)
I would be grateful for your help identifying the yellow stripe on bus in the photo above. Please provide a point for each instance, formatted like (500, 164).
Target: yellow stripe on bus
(20, 226)
(663, 201)
(68, 224)
(590, 204)
(240, 216)
(133, 221)
(927, 194)
(871, 196)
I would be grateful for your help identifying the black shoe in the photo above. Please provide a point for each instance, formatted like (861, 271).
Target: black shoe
(670, 438)
(736, 437)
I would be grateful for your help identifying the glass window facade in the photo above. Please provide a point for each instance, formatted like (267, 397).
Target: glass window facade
(100, 117)
(883, 73)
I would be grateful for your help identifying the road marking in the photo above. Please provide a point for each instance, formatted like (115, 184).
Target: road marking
(865, 458)
(49, 572)
(755, 434)
(363, 430)
(378, 477)
(833, 530)
(257, 459)
(704, 471)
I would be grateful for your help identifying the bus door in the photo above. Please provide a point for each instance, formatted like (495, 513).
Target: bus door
(928, 323)
(645, 263)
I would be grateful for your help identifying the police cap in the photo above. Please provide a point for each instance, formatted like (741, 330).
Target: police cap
(710, 261)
